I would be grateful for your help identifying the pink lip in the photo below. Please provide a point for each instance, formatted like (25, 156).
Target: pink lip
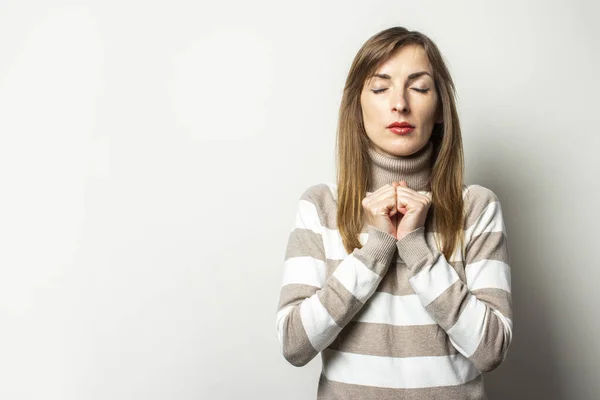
(400, 125)
(402, 131)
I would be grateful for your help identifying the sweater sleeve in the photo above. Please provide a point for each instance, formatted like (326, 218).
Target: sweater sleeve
(313, 308)
(476, 314)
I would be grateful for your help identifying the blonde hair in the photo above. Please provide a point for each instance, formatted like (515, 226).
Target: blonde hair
(352, 159)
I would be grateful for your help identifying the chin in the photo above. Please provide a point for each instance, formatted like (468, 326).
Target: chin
(402, 149)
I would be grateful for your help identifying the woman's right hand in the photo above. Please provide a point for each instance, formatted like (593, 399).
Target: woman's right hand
(380, 208)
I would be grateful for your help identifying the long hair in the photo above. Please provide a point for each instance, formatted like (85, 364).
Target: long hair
(352, 158)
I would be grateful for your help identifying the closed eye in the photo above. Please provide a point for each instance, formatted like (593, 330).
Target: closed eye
(377, 91)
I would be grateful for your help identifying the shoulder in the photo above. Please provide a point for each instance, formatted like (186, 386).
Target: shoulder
(321, 194)
(479, 200)
(320, 200)
(478, 193)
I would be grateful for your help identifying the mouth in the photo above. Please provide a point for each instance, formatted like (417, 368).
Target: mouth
(397, 124)
(401, 130)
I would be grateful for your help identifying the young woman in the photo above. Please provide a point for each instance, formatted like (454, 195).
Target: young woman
(399, 273)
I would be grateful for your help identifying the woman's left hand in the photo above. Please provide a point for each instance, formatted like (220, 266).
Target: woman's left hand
(412, 209)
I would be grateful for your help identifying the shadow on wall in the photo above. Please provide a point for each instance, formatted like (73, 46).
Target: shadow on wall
(530, 370)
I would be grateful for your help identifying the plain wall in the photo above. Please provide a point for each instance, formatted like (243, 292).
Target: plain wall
(152, 155)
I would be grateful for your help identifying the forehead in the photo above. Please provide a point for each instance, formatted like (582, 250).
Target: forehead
(404, 61)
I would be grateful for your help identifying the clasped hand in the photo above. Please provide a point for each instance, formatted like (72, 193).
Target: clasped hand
(412, 208)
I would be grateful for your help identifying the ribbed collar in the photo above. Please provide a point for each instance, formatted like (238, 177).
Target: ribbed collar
(415, 169)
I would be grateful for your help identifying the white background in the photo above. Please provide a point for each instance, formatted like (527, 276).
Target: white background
(152, 154)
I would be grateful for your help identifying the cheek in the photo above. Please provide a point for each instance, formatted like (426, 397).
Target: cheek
(429, 112)
(367, 110)
(372, 111)
(433, 106)
(427, 109)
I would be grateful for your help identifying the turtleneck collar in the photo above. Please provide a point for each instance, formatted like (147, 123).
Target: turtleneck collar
(415, 169)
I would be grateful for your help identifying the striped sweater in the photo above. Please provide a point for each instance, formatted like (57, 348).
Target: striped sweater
(396, 319)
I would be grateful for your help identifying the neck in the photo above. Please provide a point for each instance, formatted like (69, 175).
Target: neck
(415, 169)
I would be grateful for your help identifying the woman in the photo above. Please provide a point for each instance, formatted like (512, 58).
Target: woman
(399, 273)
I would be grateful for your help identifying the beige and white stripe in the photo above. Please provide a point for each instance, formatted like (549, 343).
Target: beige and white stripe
(383, 322)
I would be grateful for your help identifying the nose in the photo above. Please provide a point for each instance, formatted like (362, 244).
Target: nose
(400, 105)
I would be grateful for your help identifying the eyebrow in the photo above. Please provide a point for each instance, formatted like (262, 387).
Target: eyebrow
(412, 76)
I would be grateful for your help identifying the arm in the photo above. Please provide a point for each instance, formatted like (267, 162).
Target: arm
(476, 315)
(313, 309)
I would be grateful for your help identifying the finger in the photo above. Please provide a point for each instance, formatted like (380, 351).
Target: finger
(409, 199)
(382, 189)
(382, 202)
(385, 192)
(409, 193)
(413, 194)
(405, 204)
(385, 206)
(373, 196)
(367, 194)
(429, 195)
